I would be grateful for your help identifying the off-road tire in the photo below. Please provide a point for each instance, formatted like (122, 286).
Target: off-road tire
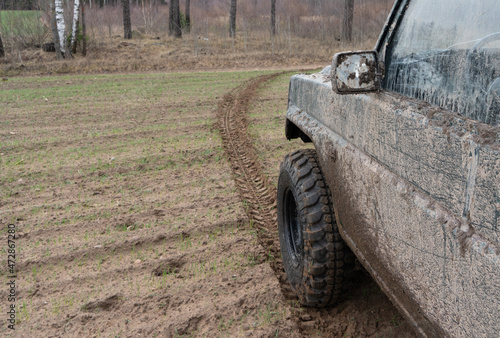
(316, 259)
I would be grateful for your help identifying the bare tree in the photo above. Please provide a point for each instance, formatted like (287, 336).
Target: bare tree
(2, 51)
(273, 17)
(174, 16)
(84, 32)
(74, 31)
(170, 18)
(232, 19)
(188, 15)
(347, 24)
(127, 24)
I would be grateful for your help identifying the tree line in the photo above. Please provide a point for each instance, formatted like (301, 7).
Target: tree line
(64, 47)
(175, 26)
(36, 5)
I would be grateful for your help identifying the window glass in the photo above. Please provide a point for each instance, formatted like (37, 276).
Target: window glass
(447, 53)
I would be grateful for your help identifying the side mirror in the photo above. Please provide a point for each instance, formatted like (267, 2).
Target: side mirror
(355, 72)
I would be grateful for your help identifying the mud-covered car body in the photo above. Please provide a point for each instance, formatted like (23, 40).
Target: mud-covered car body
(414, 168)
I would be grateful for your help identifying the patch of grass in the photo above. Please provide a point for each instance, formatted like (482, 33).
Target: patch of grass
(270, 314)
(10, 20)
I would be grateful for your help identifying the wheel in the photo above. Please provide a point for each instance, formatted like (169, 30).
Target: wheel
(316, 259)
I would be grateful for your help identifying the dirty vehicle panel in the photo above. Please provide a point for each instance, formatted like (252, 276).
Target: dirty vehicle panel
(414, 170)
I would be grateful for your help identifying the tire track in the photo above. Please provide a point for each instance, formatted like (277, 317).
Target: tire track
(367, 311)
(255, 190)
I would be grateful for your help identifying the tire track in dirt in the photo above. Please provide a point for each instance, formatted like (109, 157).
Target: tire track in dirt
(255, 190)
(156, 242)
(367, 311)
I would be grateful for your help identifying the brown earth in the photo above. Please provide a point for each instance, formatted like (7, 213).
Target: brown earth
(173, 236)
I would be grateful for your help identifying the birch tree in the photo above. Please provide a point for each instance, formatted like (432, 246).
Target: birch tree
(53, 25)
(232, 19)
(61, 28)
(74, 31)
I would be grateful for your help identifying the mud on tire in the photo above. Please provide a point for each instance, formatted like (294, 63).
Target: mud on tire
(316, 259)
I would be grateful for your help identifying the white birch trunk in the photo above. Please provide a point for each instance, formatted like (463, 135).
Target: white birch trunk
(76, 15)
(61, 27)
(53, 26)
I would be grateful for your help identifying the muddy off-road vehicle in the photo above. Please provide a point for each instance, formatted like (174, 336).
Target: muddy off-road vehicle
(406, 169)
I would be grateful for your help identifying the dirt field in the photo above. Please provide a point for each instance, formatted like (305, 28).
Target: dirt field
(144, 206)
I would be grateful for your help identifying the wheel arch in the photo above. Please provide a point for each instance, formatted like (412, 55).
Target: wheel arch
(292, 131)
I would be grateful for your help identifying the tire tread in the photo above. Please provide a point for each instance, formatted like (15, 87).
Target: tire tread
(327, 259)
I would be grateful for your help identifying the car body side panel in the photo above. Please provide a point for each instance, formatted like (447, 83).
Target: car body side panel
(437, 151)
(416, 199)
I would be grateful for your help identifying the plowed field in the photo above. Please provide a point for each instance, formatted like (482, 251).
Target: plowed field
(144, 205)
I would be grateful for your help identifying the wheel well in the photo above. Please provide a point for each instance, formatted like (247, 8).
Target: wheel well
(292, 131)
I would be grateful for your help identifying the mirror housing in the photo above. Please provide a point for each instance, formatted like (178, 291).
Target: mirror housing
(355, 72)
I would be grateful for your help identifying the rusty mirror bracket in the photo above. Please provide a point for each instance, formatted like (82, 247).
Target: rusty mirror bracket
(356, 72)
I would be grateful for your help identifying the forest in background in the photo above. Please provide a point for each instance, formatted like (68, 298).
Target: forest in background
(299, 24)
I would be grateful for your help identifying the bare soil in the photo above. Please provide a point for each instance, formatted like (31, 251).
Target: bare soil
(159, 223)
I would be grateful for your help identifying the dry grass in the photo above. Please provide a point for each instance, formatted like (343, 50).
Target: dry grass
(193, 52)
